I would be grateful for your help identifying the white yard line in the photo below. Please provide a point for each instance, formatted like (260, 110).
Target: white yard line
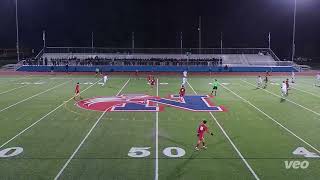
(285, 128)
(293, 86)
(85, 138)
(286, 98)
(33, 96)
(36, 122)
(13, 89)
(156, 175)
(231, 142)
(311, 84)
(306, 92)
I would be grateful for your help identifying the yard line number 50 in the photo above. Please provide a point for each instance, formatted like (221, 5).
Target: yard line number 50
(141, 152)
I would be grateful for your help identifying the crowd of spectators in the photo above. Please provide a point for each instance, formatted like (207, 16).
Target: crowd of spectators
(173, 62)
(30, 61)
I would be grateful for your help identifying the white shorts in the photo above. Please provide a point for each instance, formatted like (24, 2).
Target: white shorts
(184, 80)
(284, 91)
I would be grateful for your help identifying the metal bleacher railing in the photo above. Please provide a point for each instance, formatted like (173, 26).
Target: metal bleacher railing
(101, 50)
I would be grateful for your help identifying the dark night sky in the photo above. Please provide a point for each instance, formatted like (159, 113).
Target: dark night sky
(244, 23)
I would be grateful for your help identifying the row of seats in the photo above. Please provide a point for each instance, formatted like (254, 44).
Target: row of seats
(228, 59)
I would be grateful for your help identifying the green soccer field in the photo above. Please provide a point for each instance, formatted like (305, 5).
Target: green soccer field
(45, 135)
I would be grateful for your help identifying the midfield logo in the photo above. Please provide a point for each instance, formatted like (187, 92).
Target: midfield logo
(146, 103)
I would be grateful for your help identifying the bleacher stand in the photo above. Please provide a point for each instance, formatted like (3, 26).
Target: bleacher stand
(91, 59)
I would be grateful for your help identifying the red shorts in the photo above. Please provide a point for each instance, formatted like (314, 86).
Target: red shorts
(77, 91)
(181, 95)
(200, 137)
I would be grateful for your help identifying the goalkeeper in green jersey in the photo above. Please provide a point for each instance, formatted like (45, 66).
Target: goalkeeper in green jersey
(214, 87)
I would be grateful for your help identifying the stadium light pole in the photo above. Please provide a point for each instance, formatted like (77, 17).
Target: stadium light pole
(132, 42)
(44, 39)
(181, 42)
(221, 42)
(294, 31)
(92, 41)
(269, 40)
(17, 31)
(199, 29)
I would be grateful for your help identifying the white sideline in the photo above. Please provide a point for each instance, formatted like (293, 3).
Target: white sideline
(156, 176)
(288, 130)
(85, 138)
(17, 79)
(286, 99)
(13, 89)
(233, 145)
(16, 88)
(33, 96)
(21, 132)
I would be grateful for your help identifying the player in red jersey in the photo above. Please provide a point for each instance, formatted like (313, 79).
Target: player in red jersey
(152, 82)
(267, 73)
(182, 92)
(202, 129)
(149, 79)
(77, 92)
(287, 84)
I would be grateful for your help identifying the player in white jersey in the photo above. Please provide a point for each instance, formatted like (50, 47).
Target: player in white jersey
(105, 79)
(184, 78)
(259, 82)
(184, 81)
(317, 80)
(293, 77)
(185, 73)
(284, 91)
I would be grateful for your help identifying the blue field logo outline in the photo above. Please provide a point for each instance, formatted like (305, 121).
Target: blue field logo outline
(147, 103)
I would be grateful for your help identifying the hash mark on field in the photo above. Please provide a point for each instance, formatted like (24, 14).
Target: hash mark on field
(33, 124)
(286, 98)
(231, 142)
(222, 83)
(87, 135)
(288, 130)
(276, 84)
(40, 82)
(32, 96)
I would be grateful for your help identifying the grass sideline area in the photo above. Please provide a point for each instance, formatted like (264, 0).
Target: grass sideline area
(258, 136)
